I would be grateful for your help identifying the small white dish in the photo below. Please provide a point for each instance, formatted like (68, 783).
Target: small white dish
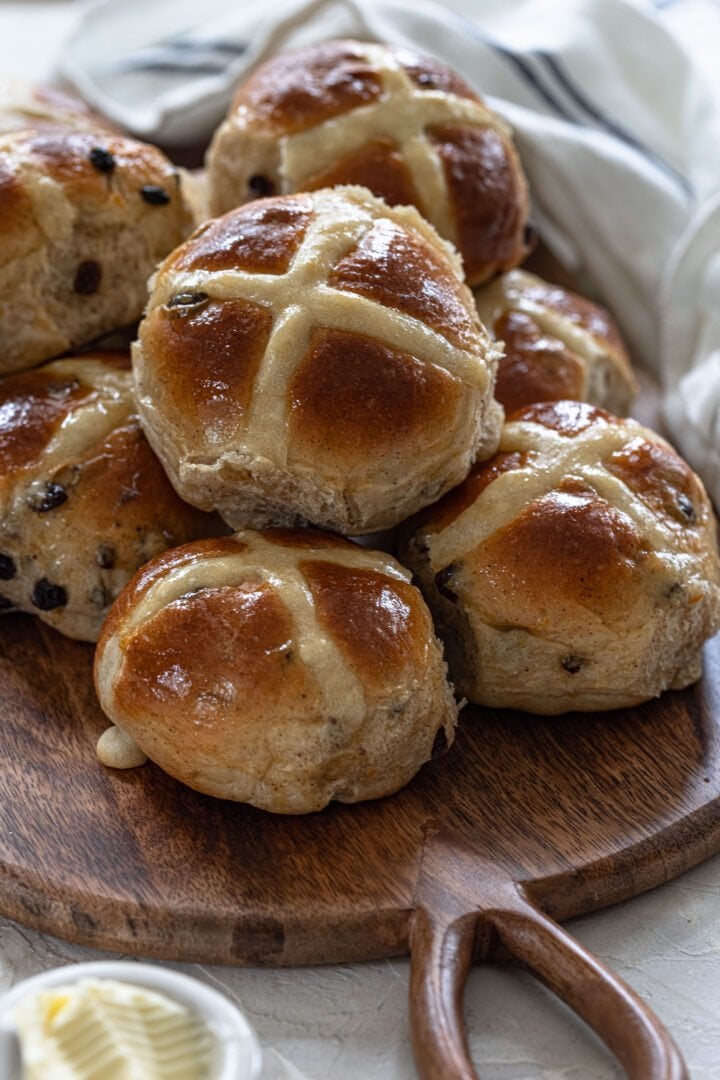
(238, 1055)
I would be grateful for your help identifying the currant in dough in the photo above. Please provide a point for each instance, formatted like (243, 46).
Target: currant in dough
(405, 126)
(83, 500)
(84, 218)
(577, 569)
(315, 358)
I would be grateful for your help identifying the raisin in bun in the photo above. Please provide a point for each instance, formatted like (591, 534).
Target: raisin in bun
(84, 219)
(558, 345)
(577, 569)
(83, 500)
(29, 106)
(291, 368)
(282, 669)
(405, 126)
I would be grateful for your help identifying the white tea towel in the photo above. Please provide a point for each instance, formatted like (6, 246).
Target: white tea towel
(615, 106)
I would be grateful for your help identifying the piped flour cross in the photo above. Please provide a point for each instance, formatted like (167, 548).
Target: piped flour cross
(402, 114)
(302, 301)
(341, 688)
(553, 459)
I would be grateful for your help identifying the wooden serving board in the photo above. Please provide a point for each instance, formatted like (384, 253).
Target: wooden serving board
(525, 821)
(524, 818)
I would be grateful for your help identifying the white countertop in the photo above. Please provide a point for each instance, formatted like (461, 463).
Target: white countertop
(350, 1022)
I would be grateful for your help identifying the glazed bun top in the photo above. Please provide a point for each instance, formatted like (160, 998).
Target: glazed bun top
(324, 335)
(83, 499)
(283, 668)
(295, 588)
(84, 219)
(577, 569)
(581, 519)
(404, 125)
(25, 105)
(558, 345)
(48, 177)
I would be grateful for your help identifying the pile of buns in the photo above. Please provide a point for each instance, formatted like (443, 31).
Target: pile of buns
(311, 365)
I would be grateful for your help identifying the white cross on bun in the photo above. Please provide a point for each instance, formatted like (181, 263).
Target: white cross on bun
(84, 219)
(83, 500)
(558, 345)
(283, 669)
(405, 126)
(315, 358)
(575, 570)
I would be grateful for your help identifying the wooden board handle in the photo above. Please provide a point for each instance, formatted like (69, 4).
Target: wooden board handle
(467, 909)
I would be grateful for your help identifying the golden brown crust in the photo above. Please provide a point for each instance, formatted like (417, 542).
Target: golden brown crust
(282, 669)
(489, 197)
(663, 480)
(83, 499)
(84, 219)
(206, 357)
(251, 660)
(567, 550)
(593, 317)
(447, 509)
(33, 405)
(578, 569)
(388, 266)
(121, 492)
(261, 238)
(429, 73)
(336, 392)
(558, 345)
(378, 166)
(404, 125)
(354, 401)
(294, 91)
(381, 626)
(175, 558)
(568, 418)
(65, 157)
(536, 366)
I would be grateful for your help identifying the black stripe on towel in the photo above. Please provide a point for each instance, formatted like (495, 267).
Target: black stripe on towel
(184, 55)
(547, 94)
(192, 67)
(526, 72)
(231, 48)
(606, 123)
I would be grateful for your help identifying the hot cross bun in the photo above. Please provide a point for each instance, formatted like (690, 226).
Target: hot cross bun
(405, 126)
(83, 500)
(282, 669)
(25, 105)
(557, 345)
(577, 569)
(315, 358)
(84, 220)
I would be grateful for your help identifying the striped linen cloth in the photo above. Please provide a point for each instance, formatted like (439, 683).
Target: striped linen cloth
(615, 106)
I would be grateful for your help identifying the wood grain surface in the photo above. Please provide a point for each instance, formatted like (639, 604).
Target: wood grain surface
(584, 809)
(525, 821)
